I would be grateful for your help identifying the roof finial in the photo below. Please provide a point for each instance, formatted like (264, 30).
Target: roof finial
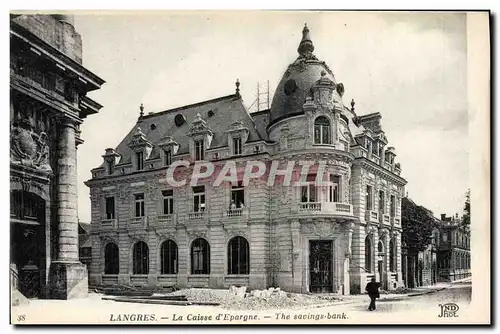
(141, 108)
(306, 46)
(352, 105)
(237, 87)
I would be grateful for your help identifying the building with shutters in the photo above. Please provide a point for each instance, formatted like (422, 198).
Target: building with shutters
(303, 237)
(48, 102)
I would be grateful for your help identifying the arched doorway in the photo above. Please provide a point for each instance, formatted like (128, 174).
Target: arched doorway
(27, 239)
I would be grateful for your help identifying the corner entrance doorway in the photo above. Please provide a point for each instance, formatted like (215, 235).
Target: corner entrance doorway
(320, 266)
(27, 243)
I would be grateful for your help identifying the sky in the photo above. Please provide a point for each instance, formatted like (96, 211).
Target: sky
(410, 67)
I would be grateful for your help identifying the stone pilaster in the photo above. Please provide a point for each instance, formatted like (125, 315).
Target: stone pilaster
(384, 236)
(347, 260)
(68, 277)
(296, 257)
(398, 266)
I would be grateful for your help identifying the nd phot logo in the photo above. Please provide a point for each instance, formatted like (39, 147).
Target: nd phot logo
(448, 310)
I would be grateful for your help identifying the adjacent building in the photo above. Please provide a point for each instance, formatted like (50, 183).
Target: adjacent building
(454, 260)
(302, 237)
(48, 102)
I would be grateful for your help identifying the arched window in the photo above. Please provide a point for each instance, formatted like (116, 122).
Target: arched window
(200, 257)
(238, 256)
(111, 259)
(392, 260)
(380, 247)
(141, 258)
(368, 254)
(169, 262)
(322, 130)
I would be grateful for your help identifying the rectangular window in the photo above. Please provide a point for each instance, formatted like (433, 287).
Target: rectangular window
(375, 149)
(393, 206)
(309, 191)
(381, 202)
(139, 205)
(140, 160)
(199, 150)
(199, 199)
(237, 197)
(334, 193)
(369, 204)
(237, 146)
(110, 167)
(168, 157)
(168, 202)
(110, 208)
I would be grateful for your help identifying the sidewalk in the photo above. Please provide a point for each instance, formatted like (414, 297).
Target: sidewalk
(423, 290)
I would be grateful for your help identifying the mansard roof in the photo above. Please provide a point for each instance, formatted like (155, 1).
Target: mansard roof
(219, 114)
(261, 120)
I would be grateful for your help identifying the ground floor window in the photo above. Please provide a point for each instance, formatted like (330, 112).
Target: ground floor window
(392, 256)
(141, 258)
(111, 259)
(200, 257)
(169, 262)
(368, 254)
(238, 256)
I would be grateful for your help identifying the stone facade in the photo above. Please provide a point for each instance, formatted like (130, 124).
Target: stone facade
(303, 237)
(454, 256)
(48, 87)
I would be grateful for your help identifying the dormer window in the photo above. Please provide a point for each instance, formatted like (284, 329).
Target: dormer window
(237, 146)
(168, 157)
(199, 150)
(111, 165)
(322, 130)
(140, 160)
(375, 149)
(368, 145)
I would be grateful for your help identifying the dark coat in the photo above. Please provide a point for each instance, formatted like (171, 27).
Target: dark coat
(372, 289)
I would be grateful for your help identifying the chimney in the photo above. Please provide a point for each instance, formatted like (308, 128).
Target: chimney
(443, 216)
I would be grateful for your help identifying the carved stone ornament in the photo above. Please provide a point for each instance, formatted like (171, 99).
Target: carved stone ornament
(169, 143)
(234, 232)
(322, 228)
(194, 233)
(199, 126)
(164, 235)
(299, 65)
(27, 147)
(107, 239)
(153, 192)
(138, 235)
(369, 229)
(139, 140)
(123, 194)
(323, 90)
(340, 89)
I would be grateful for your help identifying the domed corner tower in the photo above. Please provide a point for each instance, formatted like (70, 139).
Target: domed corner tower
(307, 108)
(309, 123)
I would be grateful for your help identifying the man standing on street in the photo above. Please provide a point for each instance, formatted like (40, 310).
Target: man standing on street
(373, 293)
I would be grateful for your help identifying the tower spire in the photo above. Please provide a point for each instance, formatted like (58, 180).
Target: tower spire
(306, 46)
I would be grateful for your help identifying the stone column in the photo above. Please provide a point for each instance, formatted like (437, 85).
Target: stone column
(68, 276)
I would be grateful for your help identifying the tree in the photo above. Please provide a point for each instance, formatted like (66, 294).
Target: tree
(466, 215)
(417, 223)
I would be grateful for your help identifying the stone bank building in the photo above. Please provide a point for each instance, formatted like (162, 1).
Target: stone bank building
(302, 238)
(48, 102)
